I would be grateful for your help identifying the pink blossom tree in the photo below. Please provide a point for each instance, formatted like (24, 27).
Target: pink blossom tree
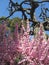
(32, 52)
(8, 46)
(36, 51)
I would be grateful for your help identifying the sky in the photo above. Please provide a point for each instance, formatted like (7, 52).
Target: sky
(4, 10)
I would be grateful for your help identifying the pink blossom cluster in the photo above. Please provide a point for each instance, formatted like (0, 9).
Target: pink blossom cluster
(8, 51)
(33, 52)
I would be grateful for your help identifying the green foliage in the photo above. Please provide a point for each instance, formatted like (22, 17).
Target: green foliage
(2, 18)
(17, 60)
(11, 22)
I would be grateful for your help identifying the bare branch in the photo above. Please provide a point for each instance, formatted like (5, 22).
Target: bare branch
(30, 10)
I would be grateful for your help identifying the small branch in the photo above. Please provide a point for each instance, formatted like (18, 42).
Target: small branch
(33, 1)
(11, 14)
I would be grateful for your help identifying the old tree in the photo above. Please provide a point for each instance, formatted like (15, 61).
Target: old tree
(29, 10)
